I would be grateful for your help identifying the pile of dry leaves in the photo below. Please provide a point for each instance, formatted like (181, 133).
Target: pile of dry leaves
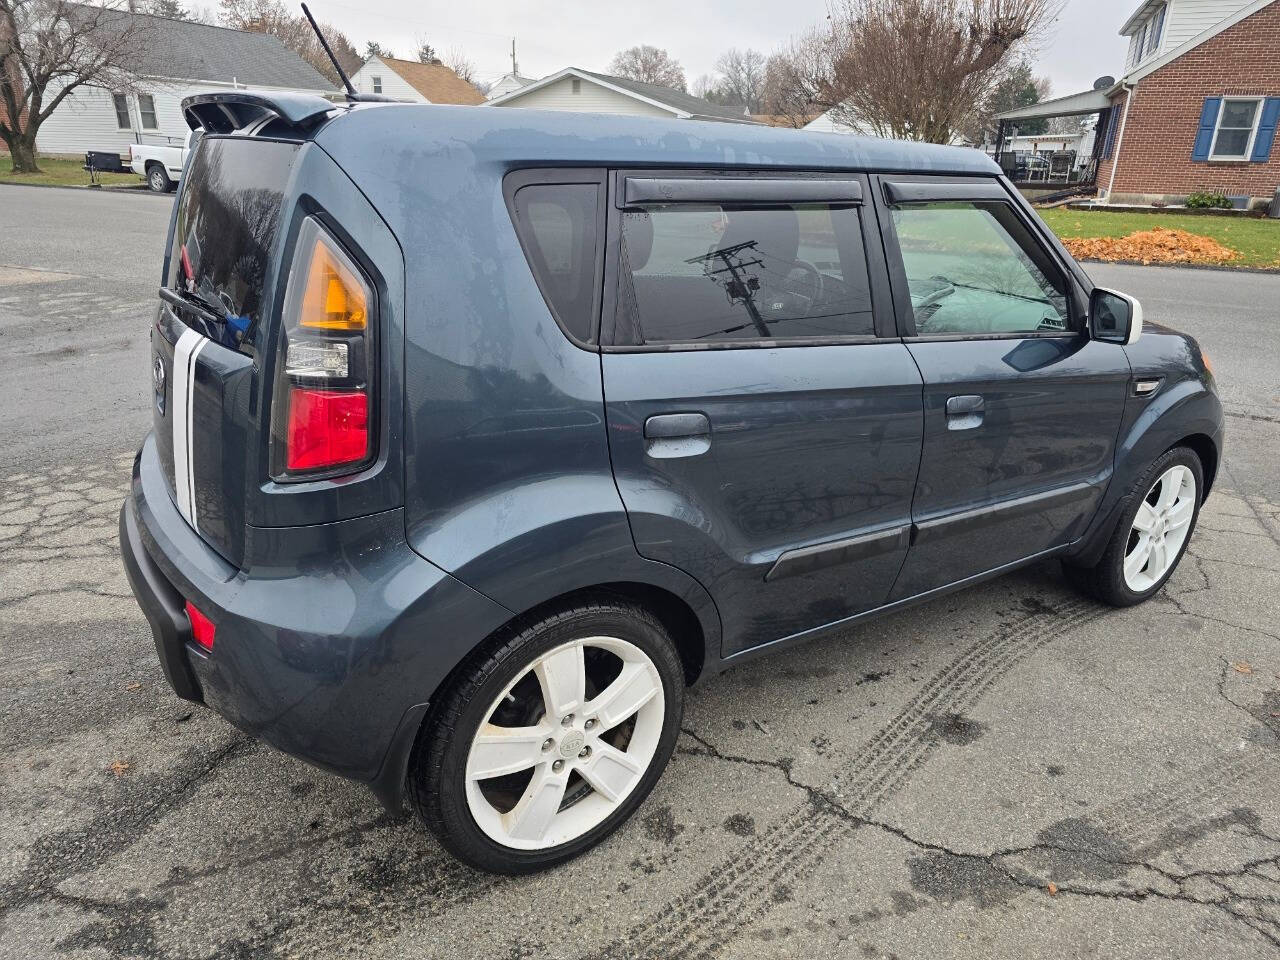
(1159, 245)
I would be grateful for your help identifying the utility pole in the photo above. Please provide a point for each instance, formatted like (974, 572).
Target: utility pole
(515, 72)
(741, 288)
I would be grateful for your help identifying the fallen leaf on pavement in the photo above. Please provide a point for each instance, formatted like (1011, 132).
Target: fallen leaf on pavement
(1053, 889)
(133, 686)
(1242, 667)
(118, 767)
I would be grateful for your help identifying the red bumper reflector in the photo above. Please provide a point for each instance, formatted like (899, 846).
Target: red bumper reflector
(202, 627)
(327, 428)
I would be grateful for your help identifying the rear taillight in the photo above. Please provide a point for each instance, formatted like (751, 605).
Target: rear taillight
(322, 409)
(202, 628)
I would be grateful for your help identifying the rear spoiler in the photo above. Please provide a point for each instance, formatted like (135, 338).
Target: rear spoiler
(232, 110)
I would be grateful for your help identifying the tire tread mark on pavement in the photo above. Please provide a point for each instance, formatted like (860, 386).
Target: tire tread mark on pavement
(740, 890)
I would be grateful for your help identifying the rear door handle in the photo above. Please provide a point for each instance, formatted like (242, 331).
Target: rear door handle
(671, 435)
(964, 412)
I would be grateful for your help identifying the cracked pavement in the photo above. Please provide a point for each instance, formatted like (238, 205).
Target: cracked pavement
(1010, 771)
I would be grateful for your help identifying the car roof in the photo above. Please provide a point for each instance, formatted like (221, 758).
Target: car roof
(512, 136)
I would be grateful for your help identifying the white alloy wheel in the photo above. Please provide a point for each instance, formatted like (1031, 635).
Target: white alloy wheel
(590, 716)
(1160, 528)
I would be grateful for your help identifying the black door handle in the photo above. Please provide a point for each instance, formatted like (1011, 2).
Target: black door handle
(669, 435)
(964, 412)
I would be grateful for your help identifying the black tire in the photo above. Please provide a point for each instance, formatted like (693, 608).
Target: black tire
(1105, 580)
(436, 786)
(158, 178)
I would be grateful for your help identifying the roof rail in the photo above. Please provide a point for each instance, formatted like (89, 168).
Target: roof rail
(227, 111)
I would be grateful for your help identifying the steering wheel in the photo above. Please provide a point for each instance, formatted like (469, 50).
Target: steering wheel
(813, 281)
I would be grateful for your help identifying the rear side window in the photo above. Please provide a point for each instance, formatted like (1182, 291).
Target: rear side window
(559, 225)
(974, 268)
(701, 273)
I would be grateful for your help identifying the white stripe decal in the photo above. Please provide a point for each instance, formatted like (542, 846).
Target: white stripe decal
(180, 413)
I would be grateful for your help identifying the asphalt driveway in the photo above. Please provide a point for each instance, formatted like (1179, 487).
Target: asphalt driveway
(1012, 771)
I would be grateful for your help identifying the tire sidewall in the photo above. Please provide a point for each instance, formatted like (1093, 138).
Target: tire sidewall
(158, 176)
(1178, 456)
(463, 835)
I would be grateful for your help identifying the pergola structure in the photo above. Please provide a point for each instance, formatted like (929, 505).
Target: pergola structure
(1075, 105)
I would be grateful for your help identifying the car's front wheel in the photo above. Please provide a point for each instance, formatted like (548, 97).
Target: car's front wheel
(1152, 534)
(549, 738)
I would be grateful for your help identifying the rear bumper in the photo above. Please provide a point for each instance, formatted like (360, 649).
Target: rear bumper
(329, 640)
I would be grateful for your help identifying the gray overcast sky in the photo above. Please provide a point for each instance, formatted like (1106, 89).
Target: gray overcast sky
(587, 33)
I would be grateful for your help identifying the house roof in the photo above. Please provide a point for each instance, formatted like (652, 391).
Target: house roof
(434, 81)
(183, 50)
(1145, 9)
(683, 105)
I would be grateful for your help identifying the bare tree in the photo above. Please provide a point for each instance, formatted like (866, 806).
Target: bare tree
(914, 69)
(49, 49)
(787, 92)
(742, 75)
(649, 65)
(706, 85)
(426, 52)
(273, 17)
(461, 64)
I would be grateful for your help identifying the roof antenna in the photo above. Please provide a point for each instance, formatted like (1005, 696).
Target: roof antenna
(346, 82)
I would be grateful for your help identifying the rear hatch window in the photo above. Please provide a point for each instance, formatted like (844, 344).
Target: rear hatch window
(223, 269)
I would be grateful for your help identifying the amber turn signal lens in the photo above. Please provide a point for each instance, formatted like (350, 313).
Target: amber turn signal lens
(334, 297)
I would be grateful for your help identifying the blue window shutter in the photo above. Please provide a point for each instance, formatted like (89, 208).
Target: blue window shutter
(1266, 130)
(1204, 135)
(1113, 124)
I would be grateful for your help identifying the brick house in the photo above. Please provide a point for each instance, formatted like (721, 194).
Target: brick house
(1196, 108)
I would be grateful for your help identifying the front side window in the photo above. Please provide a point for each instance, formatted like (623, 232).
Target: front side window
(700, 273)
(1234, 135)
(147, 110)
(558, 223)
(377, 84)
(973, 268)
(121, 103)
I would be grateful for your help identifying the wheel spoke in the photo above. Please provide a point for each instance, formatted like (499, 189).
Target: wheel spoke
(1137, 560)
(610, 772)
(562, 675)
(1159, 560)
(1181, 513)
(497, 750)
(1170, 485)
(1146, 518)
(530, 818)
(635, 686)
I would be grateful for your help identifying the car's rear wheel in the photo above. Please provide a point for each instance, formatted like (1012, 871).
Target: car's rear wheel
(1152, 534)
(158, 178)
(550, 739)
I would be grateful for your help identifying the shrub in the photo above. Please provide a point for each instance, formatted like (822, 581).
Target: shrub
(1202, 200)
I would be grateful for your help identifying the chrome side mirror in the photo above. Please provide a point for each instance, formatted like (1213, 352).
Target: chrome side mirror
(1114, 317)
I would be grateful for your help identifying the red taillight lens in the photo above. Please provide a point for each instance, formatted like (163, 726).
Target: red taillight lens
(202, 628)
(323, 409)
(327, 428)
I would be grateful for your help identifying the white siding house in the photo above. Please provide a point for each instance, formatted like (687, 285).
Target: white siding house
(176, 59)
(507, 84)
(375, 76)
(582, 91)
(412, 81)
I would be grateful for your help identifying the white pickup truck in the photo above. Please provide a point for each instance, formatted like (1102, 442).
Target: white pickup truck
(160, 166)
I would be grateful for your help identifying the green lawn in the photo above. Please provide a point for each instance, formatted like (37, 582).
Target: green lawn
(1257, 240)
(57, 170)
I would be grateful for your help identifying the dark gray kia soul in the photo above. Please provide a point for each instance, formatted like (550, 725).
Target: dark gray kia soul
(481, 433)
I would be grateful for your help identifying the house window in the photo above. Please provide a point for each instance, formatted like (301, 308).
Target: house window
(1237, 121)
(1157, 29)
(147, 109)
(1140, 44)
(123, 120)
(377, 84)
(576, 85)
